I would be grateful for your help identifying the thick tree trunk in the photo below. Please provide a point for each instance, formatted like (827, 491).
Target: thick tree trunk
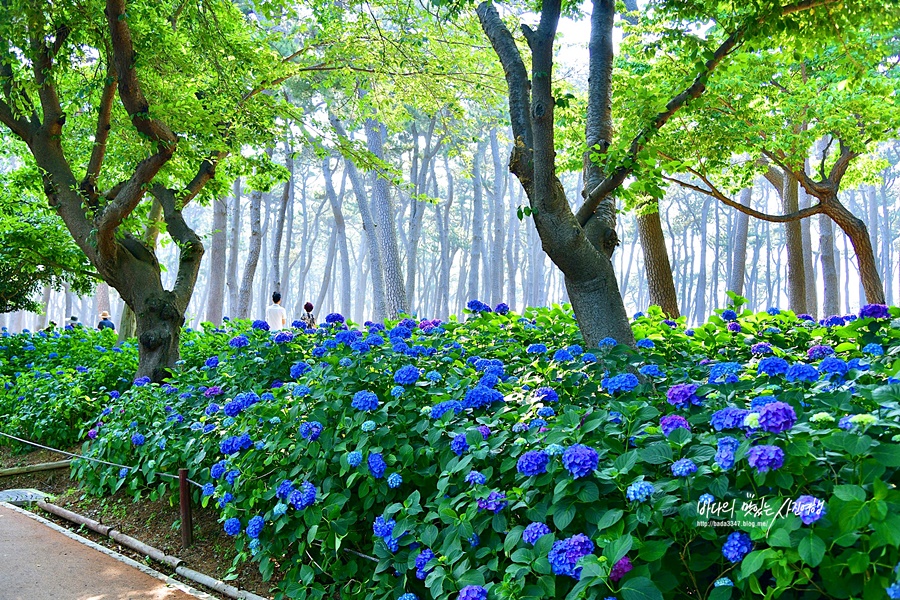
(739, 257)
(245, 297)
(858, 233)
(329, 265)
(831, 296)
(656, 261)
(217, 263)
(394, 289)
(796, 276)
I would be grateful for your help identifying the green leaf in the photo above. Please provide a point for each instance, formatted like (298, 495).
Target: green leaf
(640, 588)
(657, 453)
(618, 548)
(609, 518)
(753, 562)
(811, 549)
(849, 492)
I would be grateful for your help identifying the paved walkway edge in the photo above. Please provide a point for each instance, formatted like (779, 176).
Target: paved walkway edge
(131, 563)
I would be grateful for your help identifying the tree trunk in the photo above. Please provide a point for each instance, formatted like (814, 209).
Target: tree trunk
(234, 250)
(656, 261)
(217, 263)
(739, 258)
(858, 233)
(394, 289)
(286, 197)
(329, 265)
(700, 302)
(245, 297)
(340, 230)
(796, 277)
(809, 269)
(498, 211)
(477, 223)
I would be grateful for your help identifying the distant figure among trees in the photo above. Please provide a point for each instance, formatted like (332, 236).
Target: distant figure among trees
(276, 316)
(106, 322)
(308, 318)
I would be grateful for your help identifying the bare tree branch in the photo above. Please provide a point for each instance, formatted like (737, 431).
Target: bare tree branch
(101, 135)
(189, 245)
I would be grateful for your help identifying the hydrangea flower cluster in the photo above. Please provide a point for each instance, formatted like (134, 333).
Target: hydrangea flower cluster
(682, 395)
(670, 423)
(777, 417)
(765, 458)
(534, 531)
(624, 382)
(737, 546)
(580, 460)
(565, 554)
(364, 400)
(533, 463)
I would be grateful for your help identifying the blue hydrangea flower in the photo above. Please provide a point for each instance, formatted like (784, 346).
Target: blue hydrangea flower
(683, 467)
(481, 396)
(123, 472)
(802, 372)
(565, 554)
(225, 499)
(534, 531)
(406, 375)
(546, 394)
(239, 341)
(580, 460)
(762, 348)
(831, 366)
(354, 459)
(459, 445)
(726, 447)
(472, 592)
(588, 358)
(397, 391)
(645, 343)
(651, 371)
(368, 426)
(533, 463)
(425, 556)
(440, 409)
(208, 489)
(624, 382)
(707, 499)
(546, 411)
(394, 480)
(365, 401)
(433, 376)
(536, 349)
(608, 342)
(772, 366)
(737, 546)
(232, 526)
(377, 465)
(562, 355)
(334, 318)
(475, 478)
(255, 527)
(138, 439)
(729, 315)
(639, 491)
(383, 528)
(728, 418)
(310, 430)
(723, 582)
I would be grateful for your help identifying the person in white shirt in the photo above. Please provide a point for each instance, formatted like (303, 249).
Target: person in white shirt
(276, 316)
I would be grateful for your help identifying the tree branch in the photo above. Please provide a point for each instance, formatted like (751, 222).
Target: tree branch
(514, 68)
(130, 92)
(718, 195)
(190, 247)
(695, 90)
(101, 135)
(42, 66)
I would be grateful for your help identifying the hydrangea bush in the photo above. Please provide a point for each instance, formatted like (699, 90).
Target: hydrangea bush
(503, 468)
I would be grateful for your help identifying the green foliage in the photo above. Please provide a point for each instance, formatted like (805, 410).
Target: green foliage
(35, 249)
(328, 548)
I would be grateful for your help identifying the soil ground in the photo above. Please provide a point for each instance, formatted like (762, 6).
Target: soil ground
(154, 523)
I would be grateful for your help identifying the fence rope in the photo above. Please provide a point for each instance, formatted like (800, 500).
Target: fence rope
(90, 458)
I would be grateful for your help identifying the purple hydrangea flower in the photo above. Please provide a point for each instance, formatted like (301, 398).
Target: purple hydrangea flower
(495, 502)
(534, 531)
(725, 452)
(728, 418)
(459, 445)
(765, 458)
(670, 423)
(476, 478)
(819, 351)
(809, 508)
(473, 592)
(580, 460)
(565, 554)
(622, 566)
(777, 417)
(681, 395)
(874, 311)
(734, 327)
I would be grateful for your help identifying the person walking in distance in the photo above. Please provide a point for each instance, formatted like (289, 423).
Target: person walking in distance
(308, 319)
(276, 316)
(105, 322)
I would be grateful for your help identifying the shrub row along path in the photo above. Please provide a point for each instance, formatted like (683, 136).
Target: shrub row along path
(38, 562)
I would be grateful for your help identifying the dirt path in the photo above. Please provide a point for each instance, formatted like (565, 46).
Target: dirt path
(38, 562)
